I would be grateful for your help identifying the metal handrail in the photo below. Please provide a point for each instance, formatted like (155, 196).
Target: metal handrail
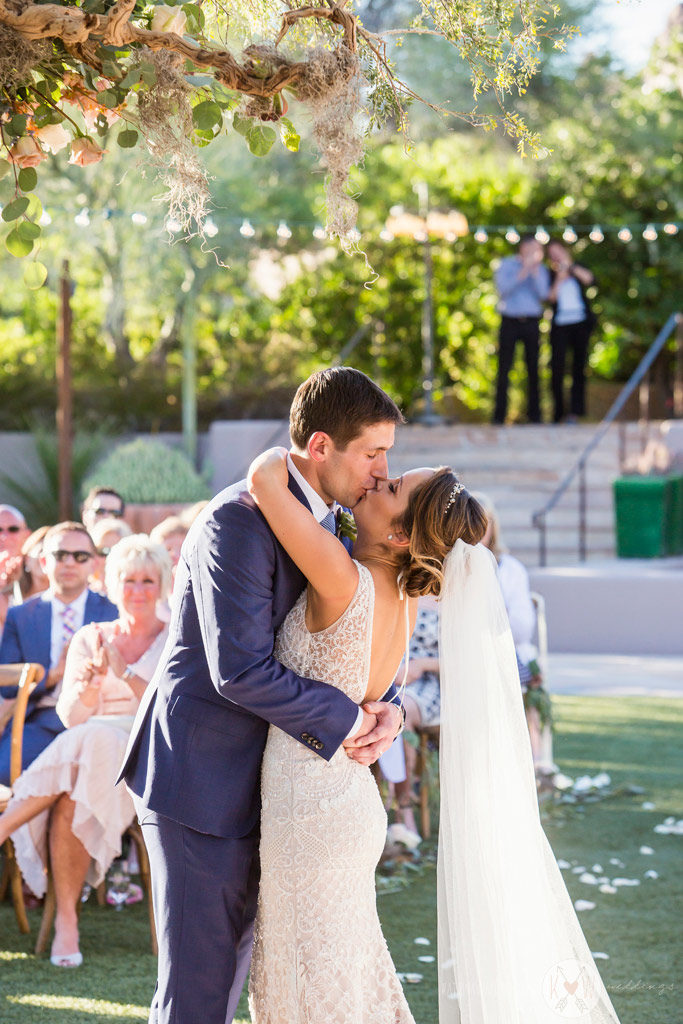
(539, 517)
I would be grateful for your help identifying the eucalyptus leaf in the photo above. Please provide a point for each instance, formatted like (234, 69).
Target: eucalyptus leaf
(28, 179)
(35, 275)
(127, 138)
(17, 208)
(207, 114)
(4, 167)
(16, 245)
(260, 139)
(108, 98)
(28, 230)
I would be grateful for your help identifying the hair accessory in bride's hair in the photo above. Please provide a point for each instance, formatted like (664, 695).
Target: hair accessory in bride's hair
(457, 488)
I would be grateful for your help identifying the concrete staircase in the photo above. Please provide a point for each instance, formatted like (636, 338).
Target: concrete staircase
(519, 467)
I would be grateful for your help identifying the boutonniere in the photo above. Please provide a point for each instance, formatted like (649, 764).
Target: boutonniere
(347, 526)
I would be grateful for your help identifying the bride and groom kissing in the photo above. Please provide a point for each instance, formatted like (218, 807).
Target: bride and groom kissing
(248, 761)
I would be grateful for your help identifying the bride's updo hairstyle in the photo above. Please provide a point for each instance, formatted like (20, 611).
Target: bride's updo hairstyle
(438, 514)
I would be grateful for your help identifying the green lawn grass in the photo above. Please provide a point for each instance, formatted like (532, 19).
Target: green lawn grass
(636, 740)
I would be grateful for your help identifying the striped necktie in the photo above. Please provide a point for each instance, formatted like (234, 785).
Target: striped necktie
(329, 522)
(68, 625)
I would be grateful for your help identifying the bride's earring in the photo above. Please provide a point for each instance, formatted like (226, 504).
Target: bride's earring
(390, 536)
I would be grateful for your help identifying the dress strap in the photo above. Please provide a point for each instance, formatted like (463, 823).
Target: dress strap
(406, 656)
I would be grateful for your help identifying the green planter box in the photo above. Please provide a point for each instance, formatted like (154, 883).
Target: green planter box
(675, 520)
(643, 508)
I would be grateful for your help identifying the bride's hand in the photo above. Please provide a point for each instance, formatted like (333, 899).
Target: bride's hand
(367, 745)
(267, 469)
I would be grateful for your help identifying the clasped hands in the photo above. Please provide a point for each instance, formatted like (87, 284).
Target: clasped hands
(381, 723)
(106, 655)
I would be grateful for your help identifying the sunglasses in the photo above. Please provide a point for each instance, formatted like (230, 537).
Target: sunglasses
(78, 556)
(108, 512)
(10, 529)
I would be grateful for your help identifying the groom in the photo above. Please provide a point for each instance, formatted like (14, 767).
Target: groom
(194, 756)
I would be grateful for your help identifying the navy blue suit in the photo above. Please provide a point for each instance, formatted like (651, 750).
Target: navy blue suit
(27, 637)
(194, 755)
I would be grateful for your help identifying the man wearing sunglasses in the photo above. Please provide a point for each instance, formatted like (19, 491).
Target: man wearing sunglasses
(102, 503)
(41, 629)
(13, 533)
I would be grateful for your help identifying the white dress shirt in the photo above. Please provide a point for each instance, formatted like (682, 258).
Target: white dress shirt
(49, 699)
(319, 509)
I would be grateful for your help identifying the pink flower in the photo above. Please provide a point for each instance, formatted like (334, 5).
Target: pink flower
(53, 137)
(85, 151)
(26, 153)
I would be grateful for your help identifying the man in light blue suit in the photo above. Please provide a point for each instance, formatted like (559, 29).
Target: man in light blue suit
(40, 630)
(194, 756)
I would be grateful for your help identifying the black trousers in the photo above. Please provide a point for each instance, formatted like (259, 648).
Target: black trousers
(512, 330)
(574, 338)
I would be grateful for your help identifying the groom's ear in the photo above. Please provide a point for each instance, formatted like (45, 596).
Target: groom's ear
(319, 446)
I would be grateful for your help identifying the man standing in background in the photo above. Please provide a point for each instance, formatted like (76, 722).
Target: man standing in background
(523, 283)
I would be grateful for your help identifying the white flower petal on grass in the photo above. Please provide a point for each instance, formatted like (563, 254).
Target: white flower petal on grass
(597, 869)
(670, 827)
(412, 978)
(617, 863)
(601, 780)
(579, 869)
(421, 941)
(427, 959)
(646, 851)
(625, 881)
(600, 956)
(651, 874)
(648, 805)
(607, 889)
(561, 781)
(580, 905)
(588, 879)
(563, 864)
(583, 784)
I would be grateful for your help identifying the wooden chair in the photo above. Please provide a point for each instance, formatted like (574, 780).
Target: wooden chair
(26, 677)
(427, 735)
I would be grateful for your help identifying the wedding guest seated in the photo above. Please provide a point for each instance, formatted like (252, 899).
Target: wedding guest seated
(40, 631)
(13, 533)
(422, 699)
(67, 801)
(32, 580)
(105, 534)
(516, 590)
(171, 532)
(102, 503)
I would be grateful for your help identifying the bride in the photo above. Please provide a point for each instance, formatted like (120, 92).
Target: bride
(508, 935)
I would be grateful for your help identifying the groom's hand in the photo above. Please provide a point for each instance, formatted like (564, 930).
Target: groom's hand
(367, 745)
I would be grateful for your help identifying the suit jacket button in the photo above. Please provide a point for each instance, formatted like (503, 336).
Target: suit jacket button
(318, 745)
(305, 736)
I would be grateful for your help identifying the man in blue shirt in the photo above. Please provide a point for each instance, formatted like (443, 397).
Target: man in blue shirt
(523, 283)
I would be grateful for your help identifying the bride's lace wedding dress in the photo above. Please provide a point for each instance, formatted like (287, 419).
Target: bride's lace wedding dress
(319, 953)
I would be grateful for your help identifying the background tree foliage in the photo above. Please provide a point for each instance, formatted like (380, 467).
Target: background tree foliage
(265, 310)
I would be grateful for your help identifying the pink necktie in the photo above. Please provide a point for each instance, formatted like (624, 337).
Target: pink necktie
(68, 625)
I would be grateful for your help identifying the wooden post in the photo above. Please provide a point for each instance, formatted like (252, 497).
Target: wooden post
(64, 395)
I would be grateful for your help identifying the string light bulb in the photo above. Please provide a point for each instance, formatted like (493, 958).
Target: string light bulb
(173, 225)
(210, 228)
(481, 235)
(139, 218)
(82, 218)
(596, 234)
(319, 232)
(247, 229)
(542, 236)
(283, 231)
(512, 236)
(625, 234)
(569, 235)
(671, 229)
(650, 233)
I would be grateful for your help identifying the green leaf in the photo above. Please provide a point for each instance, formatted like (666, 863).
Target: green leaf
(28, 230)
(35, 208)
(131, 78)
(15, 209)
(242, 125)
(206, 115)
(35, 275)
(4, 167)
(127, 138)
(110, 68)
(289, 135)
(260, 139)
(28, 179)
(16, 245)
(195, 18)
(16, 126)
(149, 73)
(108, 98)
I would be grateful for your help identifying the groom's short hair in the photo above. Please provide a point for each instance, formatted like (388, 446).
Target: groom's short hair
(342, 402)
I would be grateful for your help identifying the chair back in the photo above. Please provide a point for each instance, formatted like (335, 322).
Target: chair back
(25, 676)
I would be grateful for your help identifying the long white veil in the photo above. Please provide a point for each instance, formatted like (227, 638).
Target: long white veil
(511, 950)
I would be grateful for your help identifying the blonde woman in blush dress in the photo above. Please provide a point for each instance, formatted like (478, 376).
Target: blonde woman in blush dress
(67, 800)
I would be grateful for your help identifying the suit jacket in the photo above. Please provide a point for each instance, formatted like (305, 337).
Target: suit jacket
(195, 751)
(28, 628)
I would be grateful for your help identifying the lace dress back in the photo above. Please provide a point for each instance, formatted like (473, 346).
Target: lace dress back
(319, 953)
